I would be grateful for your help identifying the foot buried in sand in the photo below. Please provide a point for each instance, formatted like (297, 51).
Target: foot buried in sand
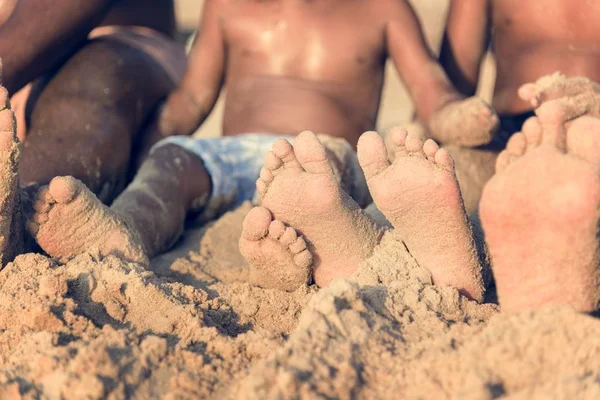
(278, 256)
(68, 220)
(298, 186)
(540, 216)
(419, 194)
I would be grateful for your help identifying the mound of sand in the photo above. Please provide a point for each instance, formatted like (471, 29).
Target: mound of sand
(100, 328)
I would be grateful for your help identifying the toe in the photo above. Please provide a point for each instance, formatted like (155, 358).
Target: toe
(285, 152)
(311, 154)
(414, 145)
(532, 129)
(256, 224)
(32, 227)
(272, 162)
(517, 144)
(502, 161)
(261, 187)
(276, 229)
(7, 128)
(289, 236)
(430, 147)
(552, 118)
(298, 245)
(266, 175)
(372, 154)
(303, 259)
(64, 188)
(444, 159)
(397, 136)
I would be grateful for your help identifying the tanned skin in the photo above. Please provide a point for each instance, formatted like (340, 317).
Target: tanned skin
(530, 39)
(292, 65)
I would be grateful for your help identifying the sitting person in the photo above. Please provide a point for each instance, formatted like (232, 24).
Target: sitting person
(289, 66)
(528, 42)
(89, 76)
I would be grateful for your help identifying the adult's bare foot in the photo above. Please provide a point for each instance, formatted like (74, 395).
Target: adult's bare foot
(470, 122)
(419, 194)
(540, 216)
(298, 186)
(11, 240)
(278, 257)
(69, 220)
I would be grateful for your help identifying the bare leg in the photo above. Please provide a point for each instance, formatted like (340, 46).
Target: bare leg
(419, 195)
(299, 187)
(144, 220)
(540, 216)
(86, 118)
(269, 243)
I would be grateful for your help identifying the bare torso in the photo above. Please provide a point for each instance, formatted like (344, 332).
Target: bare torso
(535, 38)
(294, 65)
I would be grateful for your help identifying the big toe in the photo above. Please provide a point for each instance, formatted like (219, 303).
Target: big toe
(256, 224)
(311, 153)
(372, 154)
(64, 188)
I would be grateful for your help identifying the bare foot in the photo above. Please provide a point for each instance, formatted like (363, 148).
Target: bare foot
(470, 122)
(419, 195)
(69, 220)
(278, 256)
(298, 186)
(11, 240)
(540, 216)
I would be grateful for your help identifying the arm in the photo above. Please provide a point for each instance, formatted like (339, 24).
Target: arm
(448, 117)
(465, 42)
(37, 35)
(194, 98)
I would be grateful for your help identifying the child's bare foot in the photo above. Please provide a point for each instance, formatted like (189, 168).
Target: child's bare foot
(419, 195)
(69, 220)
(278, 256)
(298, 186)
(10, 153)
(540, 216)
(470, 122)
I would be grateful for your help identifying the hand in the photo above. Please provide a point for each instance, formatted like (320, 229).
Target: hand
(576, 96)
(470, 122)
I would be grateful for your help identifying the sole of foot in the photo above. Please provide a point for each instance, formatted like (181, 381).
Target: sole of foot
(69, 220)
(419, 194)
(540, 217)
(278, 257)
(297, 185)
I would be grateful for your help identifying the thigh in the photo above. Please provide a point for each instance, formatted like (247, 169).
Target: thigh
(83, 120)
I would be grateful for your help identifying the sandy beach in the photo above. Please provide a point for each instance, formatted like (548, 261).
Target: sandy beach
(191, 327)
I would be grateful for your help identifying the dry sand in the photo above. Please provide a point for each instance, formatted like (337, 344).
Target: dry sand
(100, 328)
(191, 328)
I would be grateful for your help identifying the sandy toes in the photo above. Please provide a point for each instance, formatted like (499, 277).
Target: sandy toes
(10, 152)
(69, 220)
(278, 256)
(419, 195)
(298, 186)
(540, 216)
